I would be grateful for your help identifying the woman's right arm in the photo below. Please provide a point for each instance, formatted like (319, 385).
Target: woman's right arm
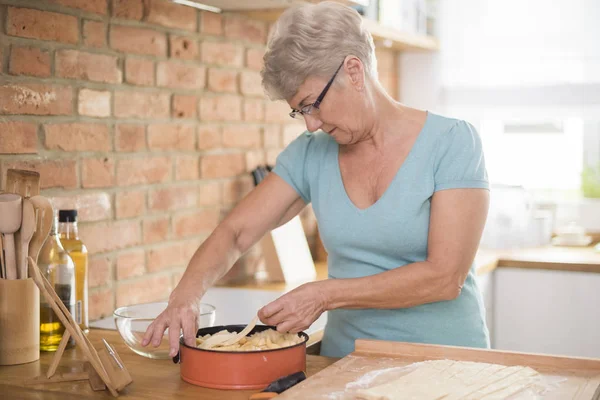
(272, 203)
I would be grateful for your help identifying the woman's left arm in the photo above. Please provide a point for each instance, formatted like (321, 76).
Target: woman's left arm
(456, 224)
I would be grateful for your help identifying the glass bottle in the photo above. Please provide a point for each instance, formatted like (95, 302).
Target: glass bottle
(58, 268)
(69, 237)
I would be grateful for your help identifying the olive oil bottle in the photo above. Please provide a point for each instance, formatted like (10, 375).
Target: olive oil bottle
(56, 265)
(69, 237)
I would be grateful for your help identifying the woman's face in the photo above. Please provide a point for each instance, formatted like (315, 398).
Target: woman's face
(343, 111)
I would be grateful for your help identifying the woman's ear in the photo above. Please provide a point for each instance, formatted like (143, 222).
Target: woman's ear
(355, 71)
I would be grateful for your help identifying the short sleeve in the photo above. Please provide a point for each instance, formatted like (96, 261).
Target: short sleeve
(460, 162)
(291, 165)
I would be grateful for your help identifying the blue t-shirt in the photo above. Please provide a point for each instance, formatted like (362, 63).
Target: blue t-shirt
(391, 233)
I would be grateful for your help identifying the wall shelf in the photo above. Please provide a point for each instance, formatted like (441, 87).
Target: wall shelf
(386, 37)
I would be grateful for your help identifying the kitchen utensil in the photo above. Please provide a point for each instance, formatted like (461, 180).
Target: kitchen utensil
(132, 322)
(279, 386)
(239, 369)
(2, 267)
(22, 182)
(71, 327)
(23, 236)
(44, 214)
(19, 321)
(228, 340)
(10, 221)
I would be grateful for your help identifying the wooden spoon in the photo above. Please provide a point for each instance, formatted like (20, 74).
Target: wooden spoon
(10, 221)
(2, 265)
(44, 214)
(228, 340)
(28, 225)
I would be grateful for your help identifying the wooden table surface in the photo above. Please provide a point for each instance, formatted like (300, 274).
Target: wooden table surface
(152, 379)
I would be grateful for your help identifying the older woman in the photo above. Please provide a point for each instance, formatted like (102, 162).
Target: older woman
(400, 196)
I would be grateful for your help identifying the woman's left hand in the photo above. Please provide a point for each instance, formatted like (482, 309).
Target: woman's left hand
(297, 310)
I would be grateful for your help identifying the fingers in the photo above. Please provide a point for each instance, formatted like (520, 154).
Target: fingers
(159, 330)
(174, 331)
(189, 325)
(268, 311)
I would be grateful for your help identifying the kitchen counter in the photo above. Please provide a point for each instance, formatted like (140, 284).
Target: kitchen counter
(152, 379)
(579, 259)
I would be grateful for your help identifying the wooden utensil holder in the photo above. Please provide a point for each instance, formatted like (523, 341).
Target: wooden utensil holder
(19, 321)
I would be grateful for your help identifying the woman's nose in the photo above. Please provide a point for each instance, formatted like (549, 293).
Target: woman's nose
(312, 123)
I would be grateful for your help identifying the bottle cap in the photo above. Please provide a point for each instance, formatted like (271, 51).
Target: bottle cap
(67, 216)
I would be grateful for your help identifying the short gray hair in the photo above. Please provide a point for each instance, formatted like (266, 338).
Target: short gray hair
(312, 40)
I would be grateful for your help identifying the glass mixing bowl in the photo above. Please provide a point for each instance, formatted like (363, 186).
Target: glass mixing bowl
(132, 322)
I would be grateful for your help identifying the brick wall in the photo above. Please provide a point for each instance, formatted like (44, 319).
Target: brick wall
(145, 115)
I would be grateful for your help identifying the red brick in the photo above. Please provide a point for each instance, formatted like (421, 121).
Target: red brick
(55, 173)
(254, 110)
(91, 206)
(144, 290)
(196, 223)
(238, 27)
(164, 257)
(43, 25)
(187, 168)
(221, 108)
(180, 76)
(139, 71)
(18, 137)
(101, 303)
(254, 58)
(171, 15)
(277, 111)
(291, 132)
(37, 99)
(209, 137)
(130, 264)
(183, 47)
(99, 271)
(236, 189)
(94, 67)
(211, 23)
(222, 53)
(156, 230)
(184, 106)
(29, 61)
(128, 9)
(272, 156)
(109, 236)
(222, 80)
(77, 137)
(272, 136)
(254, 159)
(250, 84)
(94, 34)
(129, 137)
(97, 172)
(222, 165)
(142, 105)
(173, 198)
(93, 6)
(94, 103)
(138, 40)
(242, 136)
(137, 171)
(210, 194)
(130, 204)
(171, 137)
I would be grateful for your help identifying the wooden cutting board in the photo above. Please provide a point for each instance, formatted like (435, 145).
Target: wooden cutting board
(579, 377)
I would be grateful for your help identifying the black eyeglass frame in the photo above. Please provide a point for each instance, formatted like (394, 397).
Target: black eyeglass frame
(307, 109)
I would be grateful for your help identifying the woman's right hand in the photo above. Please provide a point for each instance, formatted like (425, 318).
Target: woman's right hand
(181, 314)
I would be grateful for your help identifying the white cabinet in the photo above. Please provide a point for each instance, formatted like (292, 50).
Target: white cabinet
(552, 312)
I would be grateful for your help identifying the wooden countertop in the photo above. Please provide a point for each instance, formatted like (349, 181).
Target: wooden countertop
(156, 379)
(577, 259)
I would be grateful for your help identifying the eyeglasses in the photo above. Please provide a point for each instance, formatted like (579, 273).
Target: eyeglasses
(313, 108)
